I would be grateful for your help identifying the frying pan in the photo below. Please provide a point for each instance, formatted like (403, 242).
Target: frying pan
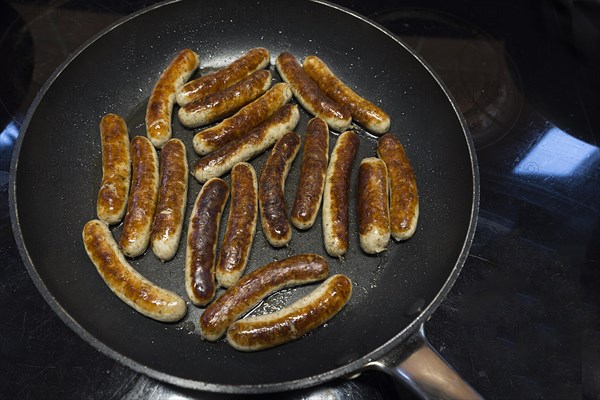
(56, 171)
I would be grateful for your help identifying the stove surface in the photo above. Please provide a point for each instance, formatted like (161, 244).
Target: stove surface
(521, 322)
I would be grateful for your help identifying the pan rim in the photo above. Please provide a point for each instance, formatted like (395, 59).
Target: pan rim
(351, 367)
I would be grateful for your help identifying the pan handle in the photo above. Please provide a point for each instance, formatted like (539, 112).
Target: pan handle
(422, 369)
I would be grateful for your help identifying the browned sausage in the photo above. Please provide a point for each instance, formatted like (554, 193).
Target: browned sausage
(252, 288)
(202, 237)
(248, 117)
(172, 199)
(241, 225)
(404, 197)
(371, 117)
(253, 60)
(335, 195)
(310, 96)
(116, 169)
(124, 281)
(271, 190)
(249, 146)
(142, 198)
(290, 323)
(309, 192)
(162, 99)
(225, 102)
(372, 206)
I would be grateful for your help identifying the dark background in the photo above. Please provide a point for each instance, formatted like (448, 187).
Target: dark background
(521, 321)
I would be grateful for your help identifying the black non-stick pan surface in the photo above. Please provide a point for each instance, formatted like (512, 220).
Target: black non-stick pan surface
(57, 171)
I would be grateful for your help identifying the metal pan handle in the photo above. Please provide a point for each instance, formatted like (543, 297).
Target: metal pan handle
(421, 368)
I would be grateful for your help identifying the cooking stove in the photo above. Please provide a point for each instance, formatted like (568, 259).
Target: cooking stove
(521, 322)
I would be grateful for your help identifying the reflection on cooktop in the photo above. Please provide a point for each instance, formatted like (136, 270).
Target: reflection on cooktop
(16, 45)
(474, 66)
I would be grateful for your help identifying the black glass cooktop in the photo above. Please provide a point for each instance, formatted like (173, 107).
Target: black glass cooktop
(521, 322)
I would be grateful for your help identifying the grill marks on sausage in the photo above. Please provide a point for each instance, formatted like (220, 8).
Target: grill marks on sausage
(203, 234)
(253, 60)
(372, 205)
(404, 199)
(124, 281)
(371, 117)
(241, 225)
(225, 102)
(249, 146)
(309, 192)
(335, 196)
(310, 96)
(116, 169)
(172, 199)
(255, 286)
(162, 98)
(271, 190)
(137, 225)
(290, 323)
(247, 118)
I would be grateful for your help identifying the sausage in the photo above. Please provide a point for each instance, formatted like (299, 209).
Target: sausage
(271, 190)
(248, 117)
(253, 60)
(372, 206)
(162, 98)
(335, 194)
(309, 192)
(202, 237)
(124, 281)
(404, 197)
(137, 225)
(116, 169)
(172, 199)
(310, 96)
(251, 289)
(225, 102)
(290, 323)
(367, 114)
(241, 225)
(249, 146)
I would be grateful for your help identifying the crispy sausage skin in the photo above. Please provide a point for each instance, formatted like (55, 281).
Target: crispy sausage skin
(116, 169)
(172, 199)
(310, 96)
(124, 281)
(404, 197)
(225, 102)
(249, 146)
(253, 60)
(290, 323)
(202, 237)
(247, 118)
(162, 98)
(309, 192)
(137, 225)
(241, 225)
(372, 206)
(335, 194)
(371, 117)
(271, 190)
(251, 289)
